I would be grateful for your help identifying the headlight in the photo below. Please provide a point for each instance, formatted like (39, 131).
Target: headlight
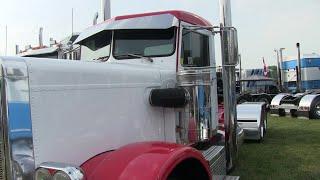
(43, 174)
(59, 171)
(61, 176)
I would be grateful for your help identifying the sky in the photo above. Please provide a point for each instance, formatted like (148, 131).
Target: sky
(263, 25)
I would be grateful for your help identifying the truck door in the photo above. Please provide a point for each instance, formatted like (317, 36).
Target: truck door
(196, 56)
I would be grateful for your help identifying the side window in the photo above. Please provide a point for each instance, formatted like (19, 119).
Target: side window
(97, 46)
(195, 49)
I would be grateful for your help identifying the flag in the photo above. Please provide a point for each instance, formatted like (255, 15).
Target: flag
(265, 68)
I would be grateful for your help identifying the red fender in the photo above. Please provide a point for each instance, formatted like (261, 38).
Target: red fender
(141, 161)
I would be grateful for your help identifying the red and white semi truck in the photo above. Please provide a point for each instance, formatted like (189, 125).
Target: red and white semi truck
(144, 106)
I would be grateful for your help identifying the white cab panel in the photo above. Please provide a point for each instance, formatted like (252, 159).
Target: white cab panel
(91, 108)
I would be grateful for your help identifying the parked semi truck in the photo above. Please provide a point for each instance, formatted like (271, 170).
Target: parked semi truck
(251, 109)
(305, 103)
(65, 49)
(144, 106)
(257, 89)
(256, 85)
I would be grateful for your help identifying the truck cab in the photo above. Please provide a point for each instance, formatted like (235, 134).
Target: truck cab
(142, 96)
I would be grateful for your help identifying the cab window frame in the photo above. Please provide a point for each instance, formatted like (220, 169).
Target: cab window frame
(202, 34)
(109, 34)
(174, 42)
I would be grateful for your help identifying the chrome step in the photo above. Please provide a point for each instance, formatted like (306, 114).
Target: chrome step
(225, 177)
(216, 158)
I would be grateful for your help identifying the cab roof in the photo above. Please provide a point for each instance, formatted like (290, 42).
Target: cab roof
(181, 15)
(152, 20)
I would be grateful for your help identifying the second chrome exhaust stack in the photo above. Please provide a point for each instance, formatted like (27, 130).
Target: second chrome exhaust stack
(41, 37)
(229, 56)
(105, 9)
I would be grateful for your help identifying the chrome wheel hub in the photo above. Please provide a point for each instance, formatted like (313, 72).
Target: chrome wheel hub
(317, 109)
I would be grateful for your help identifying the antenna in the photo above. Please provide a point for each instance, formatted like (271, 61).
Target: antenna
(72, 21)
(6, 48)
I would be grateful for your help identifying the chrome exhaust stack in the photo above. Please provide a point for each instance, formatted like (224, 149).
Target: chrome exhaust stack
(229, 54)
(105, 10)
(95, 18)
(17, 49)
(41, 37)
(299, 82)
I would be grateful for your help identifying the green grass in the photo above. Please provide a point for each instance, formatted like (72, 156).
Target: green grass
(291, 150)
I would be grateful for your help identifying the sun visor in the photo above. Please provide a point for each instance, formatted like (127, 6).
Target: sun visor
(163, 21)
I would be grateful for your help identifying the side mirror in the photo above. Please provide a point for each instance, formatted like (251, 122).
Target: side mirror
(229, 40)
(234, 44)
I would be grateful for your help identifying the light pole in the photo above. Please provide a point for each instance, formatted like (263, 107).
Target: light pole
(281, 61)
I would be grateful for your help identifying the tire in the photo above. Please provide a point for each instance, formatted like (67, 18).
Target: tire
(266, 99)
(265, 125)
(282, 112)
(243, 98)
(315, 109)
(262, 133)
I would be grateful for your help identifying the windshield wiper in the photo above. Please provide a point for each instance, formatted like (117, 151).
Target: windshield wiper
(138, 56)
(103, 58)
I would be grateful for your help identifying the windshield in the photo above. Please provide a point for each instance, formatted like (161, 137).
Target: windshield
(147, 43)
(97, 46)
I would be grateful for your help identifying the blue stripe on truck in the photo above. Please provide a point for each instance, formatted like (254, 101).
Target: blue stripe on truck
(307, 85)
(305, 63)
(19, 120)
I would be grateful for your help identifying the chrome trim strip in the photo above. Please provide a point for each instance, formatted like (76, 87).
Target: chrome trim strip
(16, 119)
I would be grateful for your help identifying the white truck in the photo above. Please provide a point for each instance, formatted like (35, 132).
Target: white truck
(144, 106)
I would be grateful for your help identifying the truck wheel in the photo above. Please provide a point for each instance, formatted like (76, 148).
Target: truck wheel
(282, 112)
(189, 169)
(261, 133)
(265, 125)
(243, 99)
(264, 99)
(315, 109)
